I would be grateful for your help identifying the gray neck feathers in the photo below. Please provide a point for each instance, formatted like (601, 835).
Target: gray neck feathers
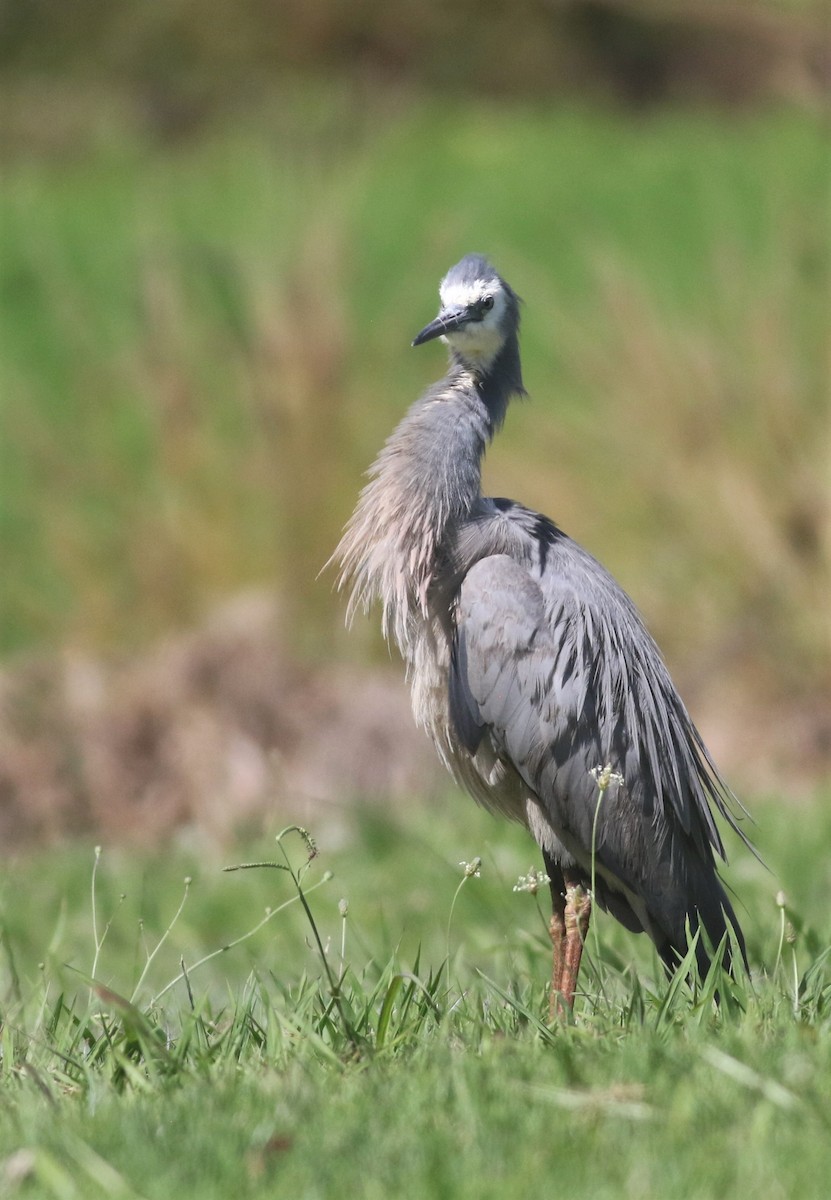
(501, 380)
(426, 479)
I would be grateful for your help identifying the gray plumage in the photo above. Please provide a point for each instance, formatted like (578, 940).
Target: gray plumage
(529, 666)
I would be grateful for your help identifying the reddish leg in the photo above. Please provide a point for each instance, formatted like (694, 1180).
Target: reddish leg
(571, 908)
(557, 929)
(578, 909)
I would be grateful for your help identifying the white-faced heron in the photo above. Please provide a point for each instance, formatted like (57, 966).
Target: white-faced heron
(529, 665)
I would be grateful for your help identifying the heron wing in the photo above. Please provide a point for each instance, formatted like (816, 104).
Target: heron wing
(556, 669)
(520, 676)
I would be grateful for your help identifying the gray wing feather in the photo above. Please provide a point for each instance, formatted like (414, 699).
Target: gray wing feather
(562, 684)
(464, 711)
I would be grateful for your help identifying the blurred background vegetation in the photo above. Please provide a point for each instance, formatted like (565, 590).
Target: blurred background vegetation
(221, 222)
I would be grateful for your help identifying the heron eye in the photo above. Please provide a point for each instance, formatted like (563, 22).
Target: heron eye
(486, 303)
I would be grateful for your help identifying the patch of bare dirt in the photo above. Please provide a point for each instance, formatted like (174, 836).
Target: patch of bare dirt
(221, 728)
(216, 728)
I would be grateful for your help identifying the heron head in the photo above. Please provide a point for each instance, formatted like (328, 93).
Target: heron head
(478, 313)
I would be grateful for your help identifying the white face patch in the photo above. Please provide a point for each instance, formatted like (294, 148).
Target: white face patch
(480, 341)
(460, 295)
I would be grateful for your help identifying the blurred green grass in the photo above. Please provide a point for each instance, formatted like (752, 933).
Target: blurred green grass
(203, 348)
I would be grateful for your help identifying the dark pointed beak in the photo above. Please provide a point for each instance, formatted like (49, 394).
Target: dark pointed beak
(447, 320)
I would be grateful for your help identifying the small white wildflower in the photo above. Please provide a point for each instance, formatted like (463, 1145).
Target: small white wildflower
(781, 900)
(472, 869)
(343, 907)
(603, 776)
(532, 882)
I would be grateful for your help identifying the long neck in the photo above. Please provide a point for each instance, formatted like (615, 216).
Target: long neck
(425, 480)
(497, 379)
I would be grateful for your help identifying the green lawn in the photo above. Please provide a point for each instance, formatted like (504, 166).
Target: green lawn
(423, 1073)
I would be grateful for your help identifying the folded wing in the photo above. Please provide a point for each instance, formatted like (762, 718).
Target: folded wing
(557, 671)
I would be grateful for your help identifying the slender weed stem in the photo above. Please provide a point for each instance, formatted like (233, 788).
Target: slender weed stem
(472, 870)
(603, 776)
(149, 960)
(271, 913)
(296, 876)
(98, 940)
